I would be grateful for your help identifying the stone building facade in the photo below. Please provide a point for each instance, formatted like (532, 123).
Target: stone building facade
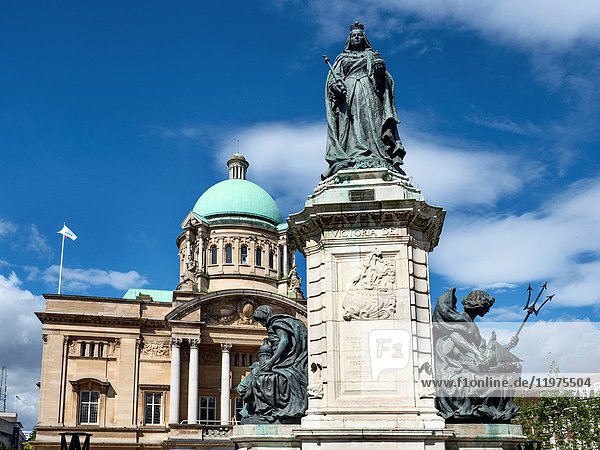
(157, 369)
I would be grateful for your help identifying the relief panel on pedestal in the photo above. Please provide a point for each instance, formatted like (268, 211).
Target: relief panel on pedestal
(372, 326)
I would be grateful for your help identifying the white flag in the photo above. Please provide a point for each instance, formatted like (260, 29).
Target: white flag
(67, 233)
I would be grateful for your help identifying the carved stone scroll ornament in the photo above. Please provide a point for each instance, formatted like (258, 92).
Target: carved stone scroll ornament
(245, 311)
(371, 295)
(223, 313)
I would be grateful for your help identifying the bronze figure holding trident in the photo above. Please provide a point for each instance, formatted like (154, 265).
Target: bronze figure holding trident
(461, 353)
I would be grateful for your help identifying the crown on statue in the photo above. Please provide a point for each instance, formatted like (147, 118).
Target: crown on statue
(356, 26)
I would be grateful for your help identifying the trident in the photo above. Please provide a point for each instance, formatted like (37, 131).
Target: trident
(531, 309)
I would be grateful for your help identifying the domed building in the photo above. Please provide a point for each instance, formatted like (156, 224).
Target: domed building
(158, 369)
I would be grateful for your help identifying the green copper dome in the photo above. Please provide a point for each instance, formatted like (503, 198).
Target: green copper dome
(237, 197)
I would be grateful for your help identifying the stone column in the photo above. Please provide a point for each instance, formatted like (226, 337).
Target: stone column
(201, 254)
(188, 246)
(235, 249)
(175, 367)
(277, 263)
(225, 392)
(193, 382)
(221, 254)
(286, 269)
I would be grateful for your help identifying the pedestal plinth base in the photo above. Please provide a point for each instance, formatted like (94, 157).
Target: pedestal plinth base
(372, 439)
(484, 436)
(263, 437)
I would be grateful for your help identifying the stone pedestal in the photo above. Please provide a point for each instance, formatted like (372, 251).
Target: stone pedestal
(263, 437)
(366, 235)
(484, 436)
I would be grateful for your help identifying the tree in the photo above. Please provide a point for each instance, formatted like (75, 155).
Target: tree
(28, 445)
(565, 422)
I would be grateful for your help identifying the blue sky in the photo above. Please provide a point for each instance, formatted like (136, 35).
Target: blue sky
(116, 116)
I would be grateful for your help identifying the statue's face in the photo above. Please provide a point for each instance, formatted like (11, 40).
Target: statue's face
(357, 39)
(260, 320)
(479, 310)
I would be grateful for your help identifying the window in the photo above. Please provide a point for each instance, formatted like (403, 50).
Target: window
(258, 256)
(244, 254)
(88, 407)
(239, 404)
(213, 255)
(228, 254)
(207, 410)
(152, 414)
(243, 359)
(271, 259)
(91, 349)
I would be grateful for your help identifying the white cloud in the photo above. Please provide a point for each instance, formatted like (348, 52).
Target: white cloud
(483, 250)
(79, 280)
(505, 313)
(287, 159)
(534, 23)
(38, 243)
(538, 245)
(20, 345)
(526, 128)
(460, 174)
(6, 228)
(572, 345)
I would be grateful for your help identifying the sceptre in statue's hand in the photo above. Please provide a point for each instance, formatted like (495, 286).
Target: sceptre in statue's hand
(337, 88)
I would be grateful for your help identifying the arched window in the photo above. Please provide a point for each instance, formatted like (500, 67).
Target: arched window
(213, 255)
(228, 254)
(258, 256)
(91, 395)
(244, 254)
(271, 259)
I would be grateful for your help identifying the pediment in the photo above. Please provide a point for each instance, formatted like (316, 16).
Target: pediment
(235, 306)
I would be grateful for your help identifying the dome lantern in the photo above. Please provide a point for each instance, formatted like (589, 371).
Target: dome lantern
(238, 166)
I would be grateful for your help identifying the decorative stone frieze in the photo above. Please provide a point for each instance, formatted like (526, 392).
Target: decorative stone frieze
(156, 349)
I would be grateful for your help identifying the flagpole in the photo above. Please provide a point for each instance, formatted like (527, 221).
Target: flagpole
(62, 252)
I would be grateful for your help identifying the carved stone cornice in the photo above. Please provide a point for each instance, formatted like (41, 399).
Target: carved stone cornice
(68, 318)
(414, 215)
(76, 385)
